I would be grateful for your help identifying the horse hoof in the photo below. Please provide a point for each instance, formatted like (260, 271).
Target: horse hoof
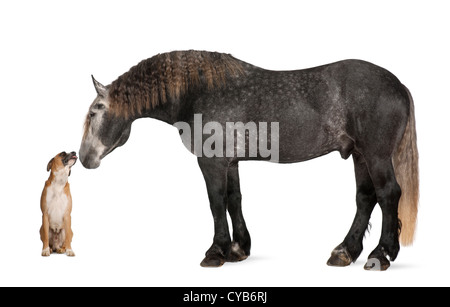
(212, 262)
(236, 253)
(339, 257)
(377, 264)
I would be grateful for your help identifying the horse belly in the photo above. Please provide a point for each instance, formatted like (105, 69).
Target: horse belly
(305, 140)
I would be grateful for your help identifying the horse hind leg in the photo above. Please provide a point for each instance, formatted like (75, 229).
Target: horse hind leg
(388, 194)
(350, 249)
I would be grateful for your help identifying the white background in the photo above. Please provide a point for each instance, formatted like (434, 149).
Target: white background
(143, 218)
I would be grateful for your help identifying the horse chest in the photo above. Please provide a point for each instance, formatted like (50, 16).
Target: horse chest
(57, 203)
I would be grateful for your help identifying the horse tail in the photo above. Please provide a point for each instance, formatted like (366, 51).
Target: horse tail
(406, 167)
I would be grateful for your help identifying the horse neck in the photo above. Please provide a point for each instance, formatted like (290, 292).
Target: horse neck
(167, 112)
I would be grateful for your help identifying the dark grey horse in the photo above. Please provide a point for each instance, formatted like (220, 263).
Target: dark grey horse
(352, 106)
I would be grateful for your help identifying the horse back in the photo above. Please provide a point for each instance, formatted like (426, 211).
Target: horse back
(340, 106)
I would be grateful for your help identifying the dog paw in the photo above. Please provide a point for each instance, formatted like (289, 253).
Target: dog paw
(70, 253)
(46, 252)
(60, 250)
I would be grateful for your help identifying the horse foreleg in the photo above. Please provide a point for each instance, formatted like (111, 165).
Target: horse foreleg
(215, 174)
(350, 249)
(240, 247)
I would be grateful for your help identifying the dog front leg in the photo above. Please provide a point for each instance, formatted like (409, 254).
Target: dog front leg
(68, 235)
(44, 235)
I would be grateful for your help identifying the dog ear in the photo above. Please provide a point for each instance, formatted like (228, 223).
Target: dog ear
(49, 165)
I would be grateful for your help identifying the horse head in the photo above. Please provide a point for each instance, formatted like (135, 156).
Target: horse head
(104, 131)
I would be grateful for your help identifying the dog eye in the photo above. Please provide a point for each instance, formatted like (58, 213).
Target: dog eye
(91, 114)
(99, 106)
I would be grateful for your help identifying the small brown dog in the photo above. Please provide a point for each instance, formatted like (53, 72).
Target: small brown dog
(56, 205)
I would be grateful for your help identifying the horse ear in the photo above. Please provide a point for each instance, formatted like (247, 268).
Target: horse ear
(49, 165)
(100, 88)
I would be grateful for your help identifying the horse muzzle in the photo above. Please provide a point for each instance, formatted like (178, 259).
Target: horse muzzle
(89, 158)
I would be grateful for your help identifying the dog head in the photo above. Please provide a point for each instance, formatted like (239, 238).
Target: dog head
(62, 161)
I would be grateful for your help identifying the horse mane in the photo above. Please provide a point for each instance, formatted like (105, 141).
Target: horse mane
(167, 77)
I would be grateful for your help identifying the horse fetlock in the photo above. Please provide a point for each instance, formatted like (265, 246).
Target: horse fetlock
(244, 242)
(391, 251)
